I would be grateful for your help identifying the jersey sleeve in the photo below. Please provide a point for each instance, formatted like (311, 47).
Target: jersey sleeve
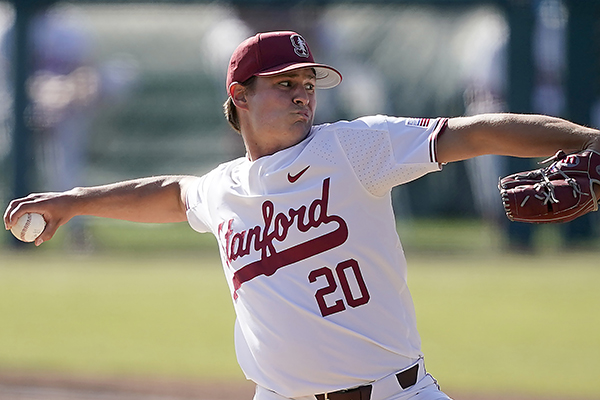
(197, 205)
(389, 151)
(415, 139)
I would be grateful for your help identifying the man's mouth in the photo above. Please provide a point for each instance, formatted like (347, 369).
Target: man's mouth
(304, 114)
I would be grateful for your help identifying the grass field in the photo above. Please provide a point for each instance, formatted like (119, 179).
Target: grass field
(511, 325)
(490, 322)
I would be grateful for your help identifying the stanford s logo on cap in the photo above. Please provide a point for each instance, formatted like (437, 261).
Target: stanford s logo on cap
(300, 46)
(269, 53)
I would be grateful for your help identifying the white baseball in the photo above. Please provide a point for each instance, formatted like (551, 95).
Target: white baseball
(29, 227)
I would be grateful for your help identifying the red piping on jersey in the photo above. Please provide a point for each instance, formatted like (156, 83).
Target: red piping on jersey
(439, 129)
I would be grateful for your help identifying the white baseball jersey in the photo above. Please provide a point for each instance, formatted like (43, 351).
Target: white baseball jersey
(310, 251)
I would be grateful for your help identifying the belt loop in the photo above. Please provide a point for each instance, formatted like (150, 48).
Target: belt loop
(365, 392)
(408, 377)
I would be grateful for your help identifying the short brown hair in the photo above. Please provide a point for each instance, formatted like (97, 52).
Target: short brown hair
(230, 110)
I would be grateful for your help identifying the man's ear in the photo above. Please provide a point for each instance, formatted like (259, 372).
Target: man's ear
(239, 95)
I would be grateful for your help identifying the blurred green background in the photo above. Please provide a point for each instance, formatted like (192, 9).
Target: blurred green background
(121, 90)
(124, 90)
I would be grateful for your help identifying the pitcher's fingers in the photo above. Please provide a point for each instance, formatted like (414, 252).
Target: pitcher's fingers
(9, 212)
(16, 209)
(48, 233)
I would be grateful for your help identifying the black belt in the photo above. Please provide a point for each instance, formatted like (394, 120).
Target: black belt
(406, 379)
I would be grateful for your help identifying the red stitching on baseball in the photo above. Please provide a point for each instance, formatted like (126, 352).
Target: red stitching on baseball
(24, 230)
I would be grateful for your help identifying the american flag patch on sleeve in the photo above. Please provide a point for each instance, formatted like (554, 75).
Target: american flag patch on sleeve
(422, 122)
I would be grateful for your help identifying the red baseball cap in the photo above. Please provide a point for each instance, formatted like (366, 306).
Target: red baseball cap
(273, 53)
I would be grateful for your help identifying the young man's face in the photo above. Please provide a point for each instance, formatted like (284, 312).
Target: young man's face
(284, 105)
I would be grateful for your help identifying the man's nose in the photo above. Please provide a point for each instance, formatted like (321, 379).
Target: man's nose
(301, 96)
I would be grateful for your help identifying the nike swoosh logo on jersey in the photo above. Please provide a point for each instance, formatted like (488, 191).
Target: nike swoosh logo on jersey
(294, 178)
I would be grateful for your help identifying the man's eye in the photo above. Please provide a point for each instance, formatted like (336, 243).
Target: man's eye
(310, 86)
(285, 83)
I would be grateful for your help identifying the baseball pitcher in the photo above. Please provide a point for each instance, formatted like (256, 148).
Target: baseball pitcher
(305, 226)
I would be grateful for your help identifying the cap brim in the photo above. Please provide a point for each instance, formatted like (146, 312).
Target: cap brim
(327, 77)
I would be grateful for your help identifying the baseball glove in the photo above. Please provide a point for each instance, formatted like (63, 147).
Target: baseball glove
(560, 192)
